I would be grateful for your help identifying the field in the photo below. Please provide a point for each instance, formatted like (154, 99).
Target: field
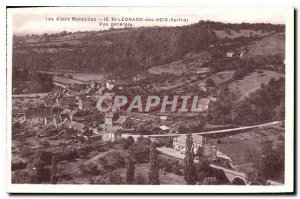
(65, 80)
(191, 62)
(141, 170)
(252, 82)
(221, 77)
(242, 33)
(78, 78)
(269, 46)
(175, 68)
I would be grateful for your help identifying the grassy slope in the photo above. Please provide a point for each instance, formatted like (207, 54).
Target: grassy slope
(272, 45)
(242, 33)
(252, 82)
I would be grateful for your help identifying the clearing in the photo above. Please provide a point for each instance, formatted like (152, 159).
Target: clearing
(269, 46)
(250, 83)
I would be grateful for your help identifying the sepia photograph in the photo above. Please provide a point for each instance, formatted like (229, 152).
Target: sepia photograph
(150, 99)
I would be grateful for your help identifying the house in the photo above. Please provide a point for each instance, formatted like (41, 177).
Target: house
(92, 84)
(203, 104)
(163, 118)
(109, 86)
(121, 120)
(52, 120)
(85, 103)
(242, 54)
(67, 102)
(202, 86)
(229, 54)
(49, 103)
(108, 118)
(203, 70)
(72, 113)
(37, 116)
(111, 134)
(164, 129)
(101, 90)
(76, 126)
(137, 78)
(213, 99)
(179, 143)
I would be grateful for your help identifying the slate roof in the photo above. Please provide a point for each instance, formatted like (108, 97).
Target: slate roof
(38, 113)
(164, 127)
(70, 100)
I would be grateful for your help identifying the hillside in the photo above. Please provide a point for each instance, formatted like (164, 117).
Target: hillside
(269, 46)
(135, 49)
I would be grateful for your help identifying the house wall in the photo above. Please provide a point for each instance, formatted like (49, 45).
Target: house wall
(108, 137)
(35, 121)
(181, 147)
(108, 121)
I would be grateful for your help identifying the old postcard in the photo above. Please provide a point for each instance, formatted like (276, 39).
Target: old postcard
(150, 99)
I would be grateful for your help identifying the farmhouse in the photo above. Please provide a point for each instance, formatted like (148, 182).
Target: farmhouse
(52, 120)
(76, 126)
(179, 143)
(85, 103)
(109, 86)
(203, 104)
(164, 129)
(229, 54)
(67, 102)
(109, 132)
(202, 86)
(37, 116)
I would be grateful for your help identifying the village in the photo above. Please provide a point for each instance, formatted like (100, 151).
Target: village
(69, 114)
(219, 105)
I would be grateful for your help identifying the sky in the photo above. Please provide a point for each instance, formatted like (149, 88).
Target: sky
(34, 20)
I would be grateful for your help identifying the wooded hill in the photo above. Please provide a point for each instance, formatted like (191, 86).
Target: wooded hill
(134, 49)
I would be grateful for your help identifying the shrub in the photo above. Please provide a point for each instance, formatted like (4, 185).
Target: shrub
(26, 152)
(115, 159)
(23, 177)
(108, 167)
(114, 178)
(167, 142)
(92, 169)
(70, 153)
(45, 143)
(140, 179)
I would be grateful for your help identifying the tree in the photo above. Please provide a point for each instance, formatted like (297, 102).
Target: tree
(130, 167)
(189, 165)
(199, 152)
(210, 181)
(210, 82)
(154, 165)
(268, 162)
(54, 177)
(128, 142)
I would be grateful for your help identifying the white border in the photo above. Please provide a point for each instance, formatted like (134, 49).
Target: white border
(289, 138)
